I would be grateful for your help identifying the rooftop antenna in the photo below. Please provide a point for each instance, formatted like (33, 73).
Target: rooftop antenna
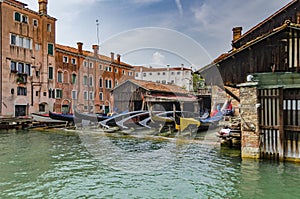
(97, 24)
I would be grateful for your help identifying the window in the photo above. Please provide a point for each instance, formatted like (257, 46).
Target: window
(85, 107)
(58, 93)
(21, 41)
(51, 93)
(107, 68)
(116, 83)
(163, 73)
(73, 79)
(91, 65)
(59, 77)
(130, 73)
(123, 72)
(85, 78)
(37, 73)
(85, 95)
(137, 74)
(17, 16)
(73, 61)
(13, 39)
(101, 96)
(21, 91)
(24, 42)
(158, 73)
(90, 81)
(24, 19)
(27, 43)
(178, 73)
(49, 27)
(91, 95)
(157, 81)
(21, 68)
(150, 73)
(100, 82)
(50, 49)
(13, 66)
(37, 47)
(100, 67)
(65, 59)
(85, 63)
(50, 72)
(172, 73)
(74, 94)
(172, 81)
(35, 22)
(108, 83)
(37, 93)
(163, 81)
(28, 69)
(116, 70)
(144, 74)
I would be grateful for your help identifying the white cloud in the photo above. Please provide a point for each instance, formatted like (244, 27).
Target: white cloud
(179, 6)
(158, 58)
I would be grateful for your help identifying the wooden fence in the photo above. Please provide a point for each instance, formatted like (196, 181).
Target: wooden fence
(279, 123)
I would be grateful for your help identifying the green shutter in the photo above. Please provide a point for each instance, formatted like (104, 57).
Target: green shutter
(50, 49)
(17, 16)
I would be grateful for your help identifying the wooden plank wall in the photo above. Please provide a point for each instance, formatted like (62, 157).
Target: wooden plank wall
(280, 123)
(291, 110)
(271, 146)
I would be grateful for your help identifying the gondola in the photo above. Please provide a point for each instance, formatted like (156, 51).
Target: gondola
(61, 116)
(90, 117)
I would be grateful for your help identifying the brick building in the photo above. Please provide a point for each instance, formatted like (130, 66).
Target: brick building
(27, 53)
(84, 79)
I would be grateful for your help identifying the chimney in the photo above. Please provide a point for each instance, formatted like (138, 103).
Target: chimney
(236, 33)
(43, 6)
(118, 58)
(79, 47)
(112, 56)
(96, 49)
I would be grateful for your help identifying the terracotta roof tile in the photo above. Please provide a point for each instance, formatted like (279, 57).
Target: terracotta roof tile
(153, 86)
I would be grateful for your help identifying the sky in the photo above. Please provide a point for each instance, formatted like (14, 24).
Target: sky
(156, 32)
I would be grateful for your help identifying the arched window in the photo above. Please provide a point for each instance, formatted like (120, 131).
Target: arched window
(101, 82)
(73, 80)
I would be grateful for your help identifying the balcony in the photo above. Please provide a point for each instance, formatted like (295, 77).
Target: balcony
(204, 91)
(21, 78)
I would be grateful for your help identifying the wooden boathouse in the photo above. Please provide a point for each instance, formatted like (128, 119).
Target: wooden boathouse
(264, 64)
(139, 95)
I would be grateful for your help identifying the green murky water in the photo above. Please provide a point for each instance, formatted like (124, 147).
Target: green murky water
(92, 165)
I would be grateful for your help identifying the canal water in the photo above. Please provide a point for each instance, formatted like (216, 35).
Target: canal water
(58, 164)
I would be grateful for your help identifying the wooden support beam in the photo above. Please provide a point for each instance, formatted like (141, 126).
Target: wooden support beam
(232, 95)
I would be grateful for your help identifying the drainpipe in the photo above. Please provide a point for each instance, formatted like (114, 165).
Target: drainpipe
(1, 57)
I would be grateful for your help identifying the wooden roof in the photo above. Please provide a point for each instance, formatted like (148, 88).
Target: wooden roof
(157, 87)
(267, 20)
(224, 56)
